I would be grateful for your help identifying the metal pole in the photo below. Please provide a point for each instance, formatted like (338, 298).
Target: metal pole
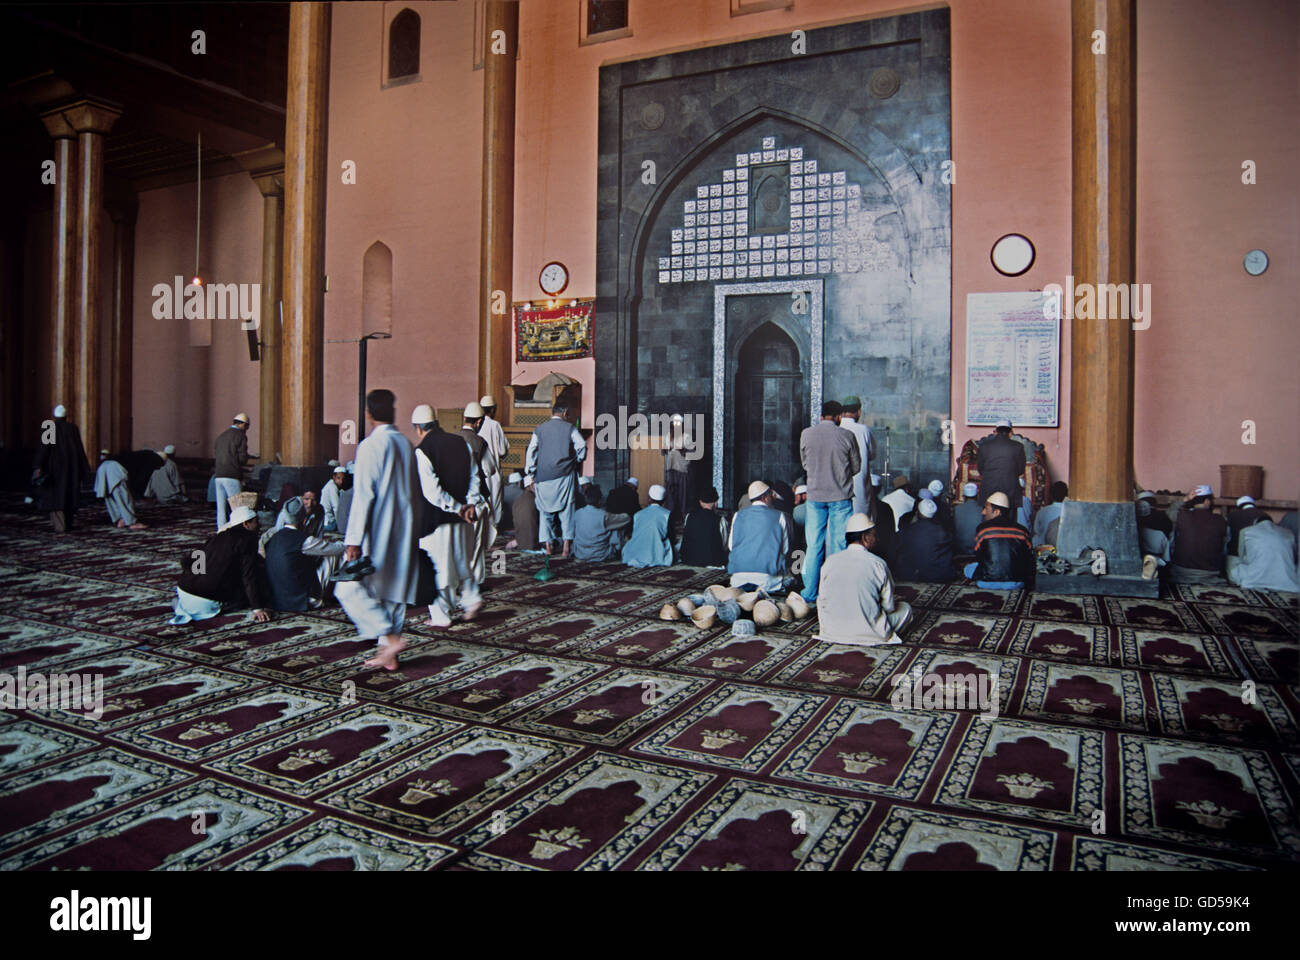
(361, 393)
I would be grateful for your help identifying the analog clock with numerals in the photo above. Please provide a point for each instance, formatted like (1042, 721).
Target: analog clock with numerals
(553, 278)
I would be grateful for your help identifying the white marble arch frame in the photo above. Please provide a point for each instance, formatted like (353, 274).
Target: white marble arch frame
(815, 287)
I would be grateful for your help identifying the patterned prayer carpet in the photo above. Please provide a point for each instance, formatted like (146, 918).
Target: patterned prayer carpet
(569, 728)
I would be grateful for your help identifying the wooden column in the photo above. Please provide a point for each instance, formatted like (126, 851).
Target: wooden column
(122, 211)
(92, 120)
(303, 332)
(1101, 354)
(63, 295)
(496, 263)
(266, 166)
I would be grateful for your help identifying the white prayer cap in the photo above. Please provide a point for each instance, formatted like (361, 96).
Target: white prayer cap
(423, 414)
(925, 494)
(103, 453)
(1146, 495)
(241, 418)
(1203, 490)
(473, 411)
(999, 499)
(60, 411)
(928, 508)
(528, 481)
(340, 469)
(1004, 422)
(969, 490)
(632, 481)
(240, 515)
(757, 489)
(1245, 501)
(935, 487)
(802, 488)
(486, 401)
(514, 477)
(858, 523)
(875, 479)
(169, 450)
(657, 492)
(584, 481)
(332, 463)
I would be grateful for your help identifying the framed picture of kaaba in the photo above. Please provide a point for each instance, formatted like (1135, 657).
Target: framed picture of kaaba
(546, 332)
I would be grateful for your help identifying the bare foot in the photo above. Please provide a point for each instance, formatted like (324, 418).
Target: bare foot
(121, 524)
(387, 657)
(138, 526)
(472, 612)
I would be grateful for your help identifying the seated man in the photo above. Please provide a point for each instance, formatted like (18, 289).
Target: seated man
(1043, 519)
(1291, 521)
(224, 576)
(329, 500)
(113, 487)
(649, 545)
(1265, 558)
(855, 603)
(799, 539)
(924, 551)
(942, 503)
(966, 518)
(1200, 534)
(299, 565)
(1239, 519)
(760, 543)
(1004, 552)
(705, 534)
(598, 534)
(527, 519)
(509, 494)
(166, 485)
(1157, 520)
(900, 501)
(1025, 512)
(624, 498)
(1153, 540)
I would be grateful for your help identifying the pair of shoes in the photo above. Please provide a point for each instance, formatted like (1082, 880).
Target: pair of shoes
(356, 570)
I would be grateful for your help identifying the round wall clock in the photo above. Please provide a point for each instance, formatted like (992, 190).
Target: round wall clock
(553, 278)
(1012, 255)
(1255, 262)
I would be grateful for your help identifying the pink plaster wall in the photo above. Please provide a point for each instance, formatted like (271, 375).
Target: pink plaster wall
(1218, 85)
(183, 393)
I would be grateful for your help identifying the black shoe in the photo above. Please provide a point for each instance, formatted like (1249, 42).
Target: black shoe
(356, 570)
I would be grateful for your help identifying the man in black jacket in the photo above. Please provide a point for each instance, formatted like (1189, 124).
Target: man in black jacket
(299, 564)
(624, 498)
(1001, 463)
(60, 468)
(223, 575)
(924, 550)
(1004, 551)
(703, 543)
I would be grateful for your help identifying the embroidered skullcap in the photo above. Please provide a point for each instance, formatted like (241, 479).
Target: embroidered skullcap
(657, 492)
(928, 508)
(969, 490)
(935, 487)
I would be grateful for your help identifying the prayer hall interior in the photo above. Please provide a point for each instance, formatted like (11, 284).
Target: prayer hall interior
(1076, 217)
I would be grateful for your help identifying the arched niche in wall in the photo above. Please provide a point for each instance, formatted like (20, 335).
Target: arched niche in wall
(377, 290)
(404, 47)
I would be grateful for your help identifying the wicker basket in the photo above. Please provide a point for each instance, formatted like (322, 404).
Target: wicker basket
(1241, 480)
(248, 498)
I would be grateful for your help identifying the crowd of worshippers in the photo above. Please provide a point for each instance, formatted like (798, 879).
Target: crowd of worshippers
(413, 524)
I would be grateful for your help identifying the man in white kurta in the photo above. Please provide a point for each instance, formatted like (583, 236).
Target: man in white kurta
(112, 487)
(329, 499)
(1265, 558)
(381, 526)
(866, 449)
(449, 545)
(166, 485)
(855, 601)
(495, 435)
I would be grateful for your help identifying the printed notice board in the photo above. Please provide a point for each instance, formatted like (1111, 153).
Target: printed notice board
(1013, 359)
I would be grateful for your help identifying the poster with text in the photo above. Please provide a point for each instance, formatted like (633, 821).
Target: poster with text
(1013, 359)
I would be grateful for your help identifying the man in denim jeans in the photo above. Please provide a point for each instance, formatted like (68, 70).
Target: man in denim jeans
(831, 459)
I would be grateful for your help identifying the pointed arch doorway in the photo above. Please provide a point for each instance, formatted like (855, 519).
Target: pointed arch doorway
(771, 399)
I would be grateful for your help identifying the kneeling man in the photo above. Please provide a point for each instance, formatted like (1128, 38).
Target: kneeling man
(855, 601)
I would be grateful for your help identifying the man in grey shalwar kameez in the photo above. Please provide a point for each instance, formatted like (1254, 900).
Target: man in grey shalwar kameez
(166, 485)
(111, 486)
(555, 453)
(382, 526)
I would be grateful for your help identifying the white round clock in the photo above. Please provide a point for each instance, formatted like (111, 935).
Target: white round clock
(1012, 255)
(553, 278)
(1255, 262)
